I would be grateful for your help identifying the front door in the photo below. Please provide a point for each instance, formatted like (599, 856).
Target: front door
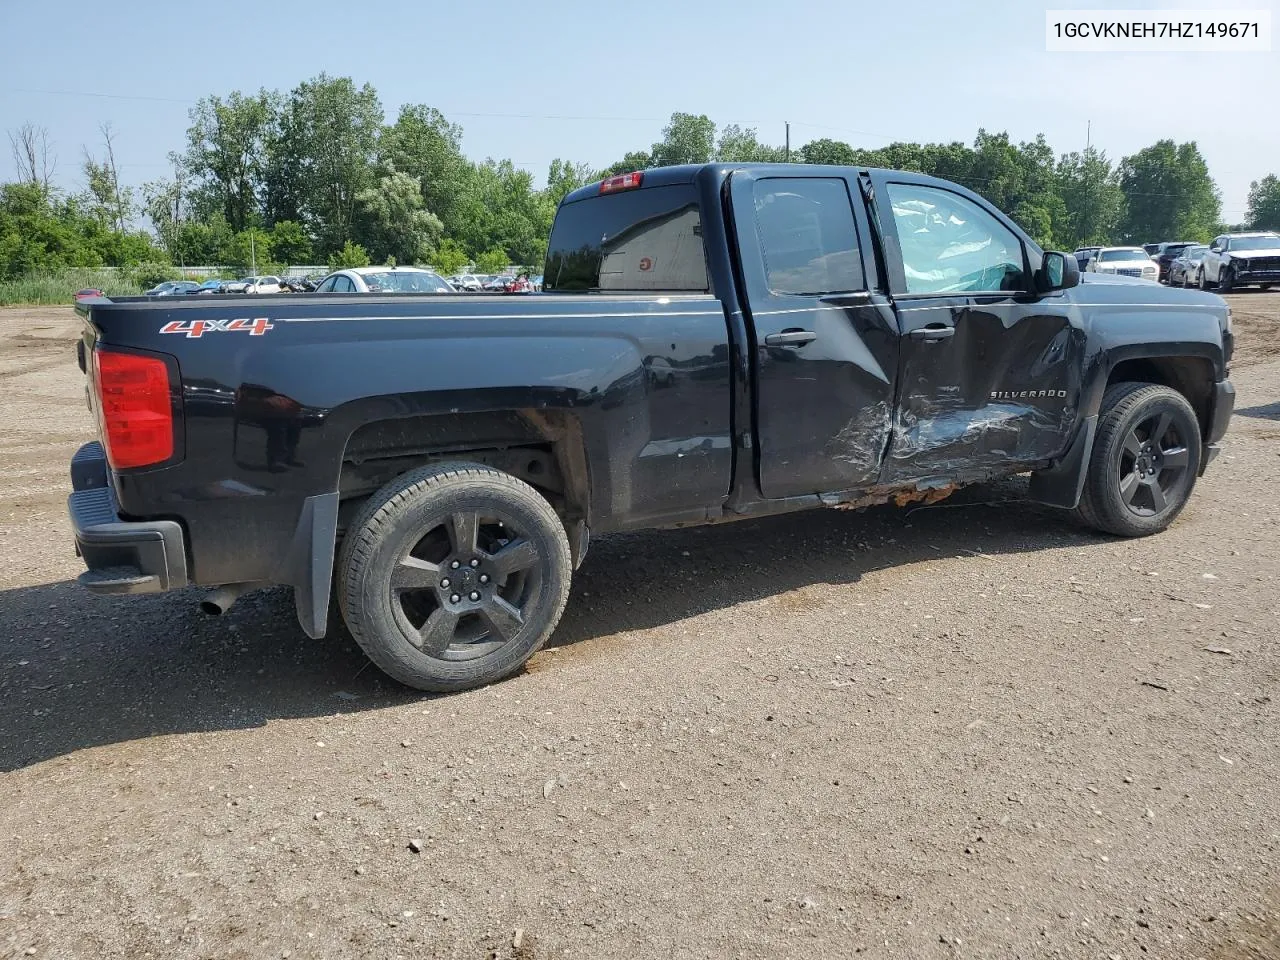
(989, 370)
(826, 349)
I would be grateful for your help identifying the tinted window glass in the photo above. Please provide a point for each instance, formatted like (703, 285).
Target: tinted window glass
(1254, 243)
(343, 285)
(807, 235)
(1132, 253)
(647, 239)
(950, 244)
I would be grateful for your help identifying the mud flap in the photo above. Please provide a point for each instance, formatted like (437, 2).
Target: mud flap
(1062, 484)
(309, 564)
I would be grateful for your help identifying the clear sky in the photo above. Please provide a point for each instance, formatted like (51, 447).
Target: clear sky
(589, 81)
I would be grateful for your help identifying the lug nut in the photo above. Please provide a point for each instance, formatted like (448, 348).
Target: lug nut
(484, 578)
(455, 598)
(475, 563)
(455, 565)
(473, 596)
(445, 583)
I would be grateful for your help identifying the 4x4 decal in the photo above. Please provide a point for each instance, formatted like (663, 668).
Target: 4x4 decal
(198, 328)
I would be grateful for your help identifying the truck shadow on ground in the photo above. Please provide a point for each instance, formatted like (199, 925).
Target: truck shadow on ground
(78, 672)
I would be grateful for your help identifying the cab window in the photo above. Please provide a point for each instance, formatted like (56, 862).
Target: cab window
(807, 236)
(951, 245)
(648, 239)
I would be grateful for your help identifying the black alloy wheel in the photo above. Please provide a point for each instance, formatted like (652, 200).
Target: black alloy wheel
(1153, 464)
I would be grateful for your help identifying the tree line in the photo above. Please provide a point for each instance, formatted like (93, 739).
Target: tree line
(321, 174)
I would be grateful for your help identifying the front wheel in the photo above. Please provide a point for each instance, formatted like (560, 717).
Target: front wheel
(1146, 456)
(1201, 281)
(453, 575)
(1226, 280)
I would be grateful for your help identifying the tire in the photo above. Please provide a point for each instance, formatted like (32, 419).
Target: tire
(1226, 280)
(415, 601)
(1201, 280)
(1145, 460)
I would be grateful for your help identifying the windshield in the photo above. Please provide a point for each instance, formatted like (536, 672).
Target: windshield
(406, 281)
(1271, 242)
(1131, 253)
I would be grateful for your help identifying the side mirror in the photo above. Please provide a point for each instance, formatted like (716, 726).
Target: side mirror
(1058, 271)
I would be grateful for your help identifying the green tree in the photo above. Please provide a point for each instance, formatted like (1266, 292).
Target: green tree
(392, 221)
(249, 251)
(494, 260)
(323, 156)
(635, 160)
(564, 177)
(1264, 203)
(1090, 189)
(1168, 194)
(685, 139)
(737, 145)
(424, 145)
(227, 152)
(827, 151)
(351, 255)
(290, 243)
(449, 257)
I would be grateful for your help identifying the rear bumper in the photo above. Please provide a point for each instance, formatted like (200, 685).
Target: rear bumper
(123, 556)
(1223, 405)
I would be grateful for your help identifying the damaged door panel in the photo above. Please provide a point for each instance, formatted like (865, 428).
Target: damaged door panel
(989, 372)
(825, 344)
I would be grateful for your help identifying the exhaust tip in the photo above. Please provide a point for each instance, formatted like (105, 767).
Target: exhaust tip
(219, 601)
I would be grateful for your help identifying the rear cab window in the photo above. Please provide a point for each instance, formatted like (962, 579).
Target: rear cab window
(646, 240)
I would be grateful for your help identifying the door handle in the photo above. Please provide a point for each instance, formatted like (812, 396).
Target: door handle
(934, 331)
(790, 338)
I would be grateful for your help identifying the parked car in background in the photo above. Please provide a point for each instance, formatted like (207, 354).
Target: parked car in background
(466, 281)
(1152, 248)
(537, 282)
(1166, 255)
(1125, 262)
(173, 288)
(1185, 266)
(211, 286)
(1240, 259)
(499, 284)
(384, 280)
(88, 293)
(1084, 254)
(268, 284)
(237, 286)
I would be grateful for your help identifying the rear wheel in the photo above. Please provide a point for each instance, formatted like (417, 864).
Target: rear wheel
(1145, 460)
(453, 576)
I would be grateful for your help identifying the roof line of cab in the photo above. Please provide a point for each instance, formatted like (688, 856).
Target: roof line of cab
(688, 172)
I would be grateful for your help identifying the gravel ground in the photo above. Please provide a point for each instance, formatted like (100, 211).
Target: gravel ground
(972, 730)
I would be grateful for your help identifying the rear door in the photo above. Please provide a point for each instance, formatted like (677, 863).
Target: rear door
(989, 370)
(825, 345)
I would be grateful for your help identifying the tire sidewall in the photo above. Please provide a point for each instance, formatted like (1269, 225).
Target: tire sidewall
(377, 622)
(1106, 485)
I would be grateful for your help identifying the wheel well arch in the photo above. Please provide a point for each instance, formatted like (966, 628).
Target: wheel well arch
(1191, 376)
(544, 448)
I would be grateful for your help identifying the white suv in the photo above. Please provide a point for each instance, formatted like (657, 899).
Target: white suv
(1237, 259)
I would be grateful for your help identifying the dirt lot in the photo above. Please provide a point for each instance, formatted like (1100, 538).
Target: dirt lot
(972, 730)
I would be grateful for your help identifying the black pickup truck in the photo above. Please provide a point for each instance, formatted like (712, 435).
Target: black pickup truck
(715, 342)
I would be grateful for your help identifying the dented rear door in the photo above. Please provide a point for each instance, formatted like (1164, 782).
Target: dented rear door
(989, 371)
(826, 348)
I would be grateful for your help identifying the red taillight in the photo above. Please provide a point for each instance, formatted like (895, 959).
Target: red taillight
(135, 407)
(626, 181)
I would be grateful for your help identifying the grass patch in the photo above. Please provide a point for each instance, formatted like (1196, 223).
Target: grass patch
(58, 287)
